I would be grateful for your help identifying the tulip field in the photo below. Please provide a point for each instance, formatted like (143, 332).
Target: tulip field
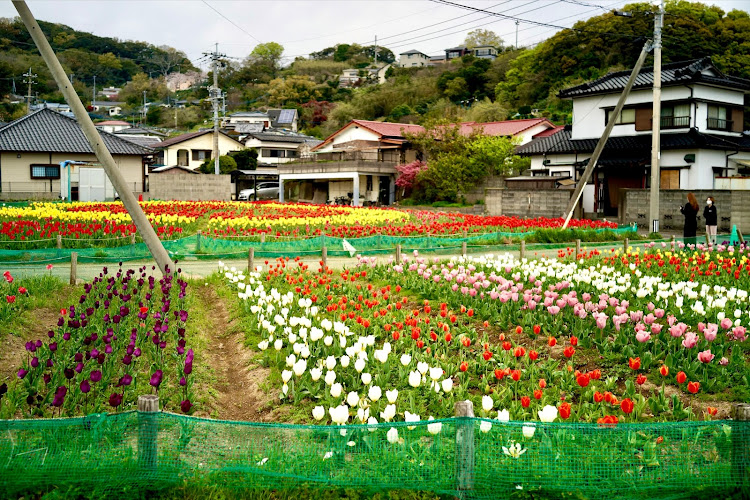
(603, 373)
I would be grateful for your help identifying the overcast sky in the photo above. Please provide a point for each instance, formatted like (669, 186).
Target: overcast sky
(305, 26)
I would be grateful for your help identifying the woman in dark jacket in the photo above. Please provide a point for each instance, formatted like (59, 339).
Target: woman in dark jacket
(712, 220)
(690, 211)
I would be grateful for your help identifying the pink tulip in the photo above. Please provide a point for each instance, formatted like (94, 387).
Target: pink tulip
(649, 318)
(553, 310)
(656, 328)
(690, 340)
(651, 306)
(675, 331)
(671, 320)
(705, 356)
(701, 326)
(601, 321)
(726, 323)
(643, 336)
(739, 333)
(659, 313)
(710, 332)
(723, 361)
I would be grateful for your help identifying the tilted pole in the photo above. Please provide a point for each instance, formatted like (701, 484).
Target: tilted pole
(603, 139)
(94, 139)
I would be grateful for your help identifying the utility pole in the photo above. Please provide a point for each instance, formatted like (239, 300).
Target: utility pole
(95, 141)
(516, 34)
(215, 96)
(607, 130)
(30, 80)
(143, 114)
(656, 124)
(376, 50)
(93, 93)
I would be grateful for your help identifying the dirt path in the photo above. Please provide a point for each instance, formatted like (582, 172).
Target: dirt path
(238, 381)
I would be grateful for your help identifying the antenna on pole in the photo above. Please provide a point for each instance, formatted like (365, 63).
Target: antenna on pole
(517, 34)
(215, 96)
(656, 124)
(30, 80)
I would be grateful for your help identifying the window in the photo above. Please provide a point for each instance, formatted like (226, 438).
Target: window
(718, 118)
(627, 116)
(201, 154)
(45, 171)
(182, 157)
(279, 153)
(675, 116)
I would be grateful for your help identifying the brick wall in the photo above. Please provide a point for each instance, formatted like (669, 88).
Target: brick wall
(480, 190)
(733, 208)
(189, 187)
(527, 203)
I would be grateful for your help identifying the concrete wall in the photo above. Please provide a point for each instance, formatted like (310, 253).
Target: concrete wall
(733, 208)
(190, 187)
(527, 203)
(480, 190)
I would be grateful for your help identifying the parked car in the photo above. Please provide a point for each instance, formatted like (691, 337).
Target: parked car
(266, 191)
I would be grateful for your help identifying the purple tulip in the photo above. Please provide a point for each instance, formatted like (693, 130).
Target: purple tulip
(156, 378)
(60, 396)
(38, 344)
(22, 373)
(183, 382)
(53, 346)
(137, 352)
(68, 373)
(34, 362)
(85, 387)
(115, 400)
(186, 405)
(50, 363)
(96, 376)
(94, 353)
(66, 335)
(50, 334)
(78, 357)
(79, 368)
(125, 380)
(127, 359)
(108, 349)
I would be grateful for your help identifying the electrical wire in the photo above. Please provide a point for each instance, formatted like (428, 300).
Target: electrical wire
(231, 22)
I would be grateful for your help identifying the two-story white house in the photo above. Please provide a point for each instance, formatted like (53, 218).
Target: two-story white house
(413, 59)
(702, 140)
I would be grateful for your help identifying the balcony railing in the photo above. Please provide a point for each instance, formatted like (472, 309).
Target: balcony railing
(719, 124)
(390, 156)
(675, 122)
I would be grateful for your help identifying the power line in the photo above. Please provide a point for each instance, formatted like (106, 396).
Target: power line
(232, 22)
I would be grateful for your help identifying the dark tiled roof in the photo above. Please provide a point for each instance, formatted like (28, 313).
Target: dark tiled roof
(284, 137)
(413, 52)
(140, 131)
(562, 143)
(678, 73)
(49, 131)
(148, 142)
(187, 137)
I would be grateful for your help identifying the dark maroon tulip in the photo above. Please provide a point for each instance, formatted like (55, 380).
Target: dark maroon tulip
(127, 359)
(186, 405)
(34, 362)
(22, 373)
(183, 382)
(53, 346)
(115, 400)
(85, 387)
(60, 396)
(156, 378)
(96, 376)
(125, 380)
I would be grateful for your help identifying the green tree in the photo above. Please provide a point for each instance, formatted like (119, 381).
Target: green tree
(479, 37)
(245, 159)
(226, 165)
(291, 91)
(267, 53)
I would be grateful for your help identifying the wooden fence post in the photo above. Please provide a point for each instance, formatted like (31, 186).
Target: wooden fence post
(740, 237)
(708, 240)
(73, 267)
(198, 241)
(522, 250)
(625, 245)
(262, 237)
(148, 408)
(324, 256)
(578, 248)
(463, 248)
(674, 242)
(132, 239)
(740, 445)
(398, 253)
(59, 241)
(465, 446)
(251, 260)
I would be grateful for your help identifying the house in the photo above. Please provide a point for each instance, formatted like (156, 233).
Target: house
(110, 93)
(183, 81)
(230, 122)
(276, 146)
(62, 108)
(192, 149)
(112, 108)
(141, 135)
(32, 149)
(456, 52)
(436, 60)
(112, 126)
(413, 59)
(702, 144)
(353, 77)
(484, 52)
(356, 163)
(524, 130)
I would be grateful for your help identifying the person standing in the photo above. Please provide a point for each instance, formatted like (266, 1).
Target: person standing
(690, 211)
(712, 220)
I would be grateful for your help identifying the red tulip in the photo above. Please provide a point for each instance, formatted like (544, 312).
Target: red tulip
(595, 374)
(598, 397)
(538, 394)
(525, 401)
(464, 366)
(641, 379)
(564, 410)
(569, 351)
(583, 380)
(574, 341)
(533, 355)
(634, 363)
(627, 406)
(664, 370)
(681, 378)
(552, 341)
(693, 387)
(537, 329)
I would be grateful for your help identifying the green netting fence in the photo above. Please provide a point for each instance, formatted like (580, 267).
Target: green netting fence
(101, 455)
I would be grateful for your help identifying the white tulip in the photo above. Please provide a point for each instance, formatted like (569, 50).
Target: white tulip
(344, 361)
(263, 345)
(436, 373)
(374, 393)
(447, 385)
(291, 359)
(336, 390)
(315, 374)
(405, 359)
(300, 367)
(487, 403)
(359, 365)
(372, 421)
(528, 431)
(514, 450)
(434, 428)
(366, 378)
(485, 426)
(392, 435)
(318, 412)
(391, 396)
(339, 415)
(352, 399)
(330, 377)
(285, 389)
(503, 416)
(388, 413)
(278, 344)
(386, 346)
(411, 417)
(286, 375)
(415, 378)
(330, 362)
(328, 340)
(548, 414)
(362, 414)
(422, 367)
